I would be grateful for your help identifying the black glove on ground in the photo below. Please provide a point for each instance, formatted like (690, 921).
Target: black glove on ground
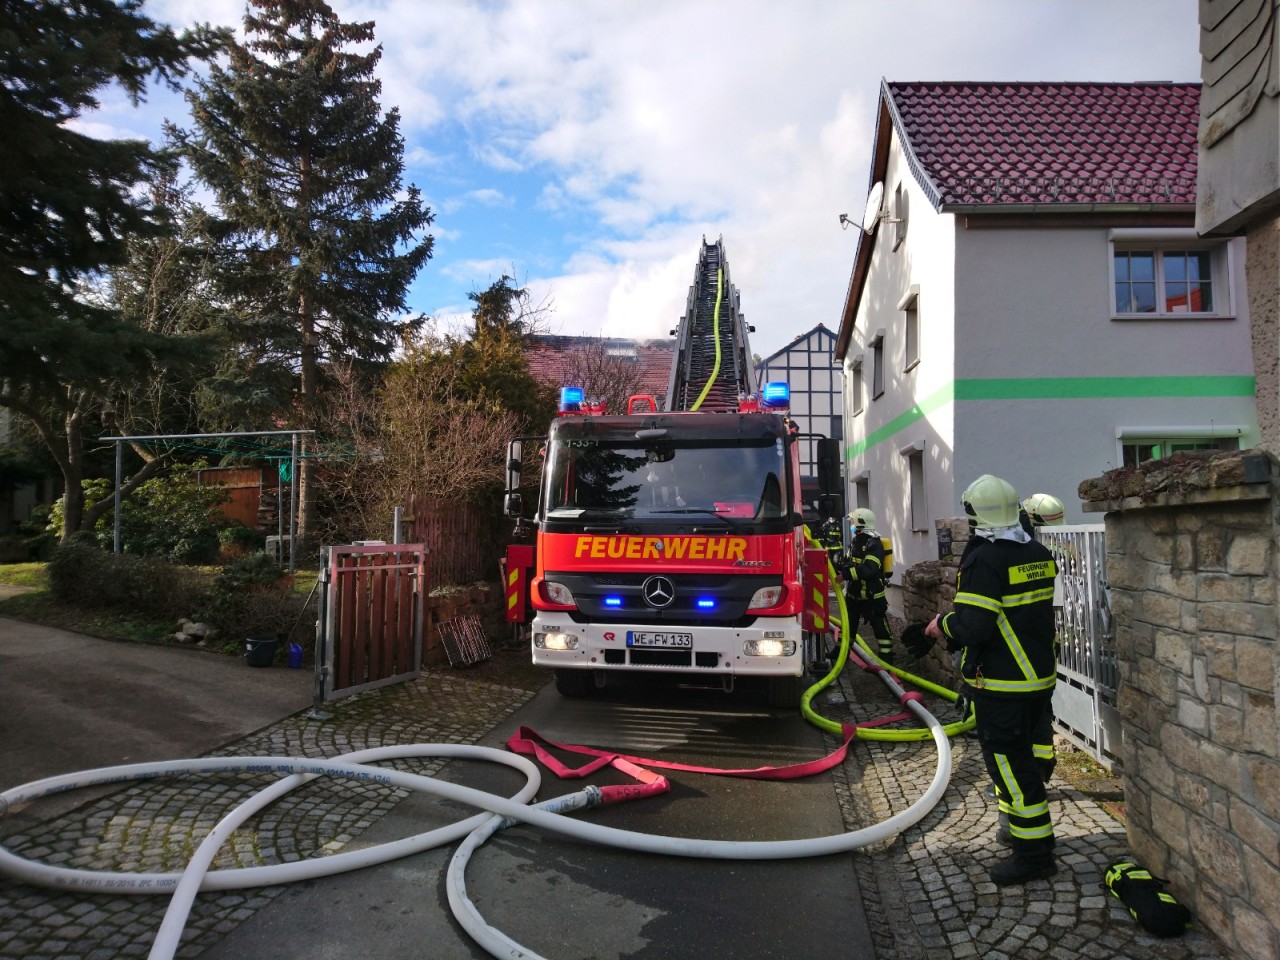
(917, 642)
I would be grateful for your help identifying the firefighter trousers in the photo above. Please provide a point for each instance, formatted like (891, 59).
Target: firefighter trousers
(1007, 728)
(875, 613)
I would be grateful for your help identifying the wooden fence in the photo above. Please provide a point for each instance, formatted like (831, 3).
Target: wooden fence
(464, 540)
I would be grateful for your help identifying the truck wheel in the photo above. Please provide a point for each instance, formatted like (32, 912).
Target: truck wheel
(574, 683)
(785, 692)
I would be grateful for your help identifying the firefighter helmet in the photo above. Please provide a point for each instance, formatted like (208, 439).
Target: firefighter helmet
(992, 502)
(862, 517)
(1043, 509)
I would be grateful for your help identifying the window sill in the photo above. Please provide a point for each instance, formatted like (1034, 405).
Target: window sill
(877, 396)
(911, 366)
(1130, 317)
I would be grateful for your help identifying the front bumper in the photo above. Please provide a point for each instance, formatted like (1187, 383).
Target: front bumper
(715, 650)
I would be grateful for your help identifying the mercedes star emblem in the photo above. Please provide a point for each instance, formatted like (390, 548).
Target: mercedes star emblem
(658, 592)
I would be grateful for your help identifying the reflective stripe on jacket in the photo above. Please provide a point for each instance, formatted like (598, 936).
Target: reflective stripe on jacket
(863, 568)
(1003, 617)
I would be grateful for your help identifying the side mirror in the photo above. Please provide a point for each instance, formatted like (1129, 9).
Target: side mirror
(828, 465)
(830, 506)
(515, 464)
(513, 505)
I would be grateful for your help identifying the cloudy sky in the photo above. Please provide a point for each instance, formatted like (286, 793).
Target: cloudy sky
(586, 147)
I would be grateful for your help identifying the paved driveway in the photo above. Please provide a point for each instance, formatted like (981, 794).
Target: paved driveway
(70, 702)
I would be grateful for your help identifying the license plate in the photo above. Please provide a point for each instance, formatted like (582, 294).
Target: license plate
(645, 638)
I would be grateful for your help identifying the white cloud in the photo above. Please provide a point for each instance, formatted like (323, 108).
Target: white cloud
(634, 127)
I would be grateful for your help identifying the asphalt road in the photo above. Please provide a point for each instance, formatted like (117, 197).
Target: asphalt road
(70, 702)
(570, 899)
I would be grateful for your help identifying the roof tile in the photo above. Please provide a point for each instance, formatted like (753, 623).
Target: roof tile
(998, 143)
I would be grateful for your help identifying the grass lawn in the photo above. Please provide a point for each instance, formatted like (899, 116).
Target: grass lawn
(38, 605)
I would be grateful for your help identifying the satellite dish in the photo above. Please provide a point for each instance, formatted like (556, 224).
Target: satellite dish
(871, 215)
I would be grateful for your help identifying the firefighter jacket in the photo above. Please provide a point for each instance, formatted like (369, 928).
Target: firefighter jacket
(1002, 620)
(863, 567)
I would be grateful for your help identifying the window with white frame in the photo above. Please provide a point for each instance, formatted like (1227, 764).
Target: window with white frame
(910, 307)
(855, 385)
(1169, 274)
(900, 210)
(1135, 450)
(877, 365)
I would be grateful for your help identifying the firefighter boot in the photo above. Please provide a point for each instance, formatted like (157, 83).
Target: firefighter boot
(1022, 867)
(1003, 834)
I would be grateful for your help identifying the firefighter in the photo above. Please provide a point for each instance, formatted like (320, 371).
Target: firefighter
(1002, 622)
(831, 538)
(1045, 510)
(863, 568)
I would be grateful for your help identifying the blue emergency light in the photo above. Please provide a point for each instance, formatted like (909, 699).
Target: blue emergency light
(776, 394)
(613, 601)
(706, 603)
(571, 398)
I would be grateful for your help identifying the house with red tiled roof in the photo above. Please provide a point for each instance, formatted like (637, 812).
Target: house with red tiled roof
(607, 368)
(1029, 298)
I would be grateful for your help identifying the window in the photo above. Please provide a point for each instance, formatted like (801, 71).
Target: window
(1168, 274)
(919, 505)
(877, 365)
(900, 205)
(862, 490)
(1139, 450)
(910, 307)
(855, 385)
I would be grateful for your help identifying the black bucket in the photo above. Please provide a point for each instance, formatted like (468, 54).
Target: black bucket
(260, 651)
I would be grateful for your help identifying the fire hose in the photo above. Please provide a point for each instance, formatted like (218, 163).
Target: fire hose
(497, 812)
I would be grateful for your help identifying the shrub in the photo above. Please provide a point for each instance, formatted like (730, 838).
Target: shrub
(173, 517)
(83, 575)
(253, 596)
(237, 540)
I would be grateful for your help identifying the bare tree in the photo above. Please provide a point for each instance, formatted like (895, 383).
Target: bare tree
(606, 371)
(413, 432)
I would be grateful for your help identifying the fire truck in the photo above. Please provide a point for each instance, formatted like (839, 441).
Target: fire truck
(671, 538)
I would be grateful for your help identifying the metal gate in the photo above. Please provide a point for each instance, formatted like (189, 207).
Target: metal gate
(1084, 701)
(372, 607)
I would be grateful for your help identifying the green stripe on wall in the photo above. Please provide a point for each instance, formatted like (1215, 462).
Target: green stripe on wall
(1056, 388)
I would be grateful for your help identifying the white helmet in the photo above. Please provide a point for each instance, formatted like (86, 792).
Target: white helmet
(862, 517)
(1044, 509)
(991, 502)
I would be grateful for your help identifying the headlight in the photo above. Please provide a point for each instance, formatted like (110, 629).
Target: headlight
(769, 648)
(557, 592)
(766, 597)
(556, 641)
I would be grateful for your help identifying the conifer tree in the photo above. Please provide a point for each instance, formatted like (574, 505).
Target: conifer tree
(68, 205)
(306, 169)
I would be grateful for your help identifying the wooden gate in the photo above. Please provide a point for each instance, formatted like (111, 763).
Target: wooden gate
(372, 606)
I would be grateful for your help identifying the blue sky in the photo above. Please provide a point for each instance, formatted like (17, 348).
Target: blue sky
(586, 147)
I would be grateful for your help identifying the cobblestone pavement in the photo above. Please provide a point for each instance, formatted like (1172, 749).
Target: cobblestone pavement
(926, 893)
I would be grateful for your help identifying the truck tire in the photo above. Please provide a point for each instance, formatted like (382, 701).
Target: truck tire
(574, 683)
(785, 692)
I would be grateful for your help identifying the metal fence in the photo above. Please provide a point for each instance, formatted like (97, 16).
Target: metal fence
(1088, 677)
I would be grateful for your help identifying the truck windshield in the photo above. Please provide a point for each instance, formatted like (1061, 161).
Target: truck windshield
(626, 478)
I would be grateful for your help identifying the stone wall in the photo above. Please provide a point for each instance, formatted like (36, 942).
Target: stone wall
(1192, 564)
(929, 588)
